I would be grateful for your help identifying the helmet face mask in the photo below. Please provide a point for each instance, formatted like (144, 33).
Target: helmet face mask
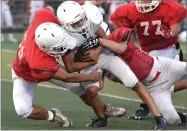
(80, 26)
(145, 6)
(54, 51)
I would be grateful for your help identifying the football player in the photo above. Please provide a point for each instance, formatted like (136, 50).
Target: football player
(8, 20)
(83, 22)
(67, 12)
(35, 62)
(157, 24)
(156, 73)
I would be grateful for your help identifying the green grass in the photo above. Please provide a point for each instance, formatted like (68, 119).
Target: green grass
(71, 105)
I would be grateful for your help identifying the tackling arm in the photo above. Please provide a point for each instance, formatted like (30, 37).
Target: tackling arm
(72, 66)
(76, 77)
(175, 29)
(100, 33)
(113, 46)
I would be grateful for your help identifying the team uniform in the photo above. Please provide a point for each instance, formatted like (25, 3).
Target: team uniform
(32, 66)
(107, 60)
(148, 21)
(7, 19)
(148, 26)
(158, 74)
(28, 69)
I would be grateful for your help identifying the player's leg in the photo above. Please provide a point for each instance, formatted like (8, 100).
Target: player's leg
(95, 102)
(143, 112)
(164, 104)
(180, 85)
(23, 93)
(161, 93)
(129, 80)
(9, 23)
(101, 110)
(88, 92)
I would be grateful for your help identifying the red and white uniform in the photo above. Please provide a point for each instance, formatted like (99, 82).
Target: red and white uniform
(157, 74)
(148, 24)
(31, 63)
(31, 66)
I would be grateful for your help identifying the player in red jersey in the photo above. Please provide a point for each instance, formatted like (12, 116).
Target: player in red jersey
(156, 73)
(157, 26)
(35, 62)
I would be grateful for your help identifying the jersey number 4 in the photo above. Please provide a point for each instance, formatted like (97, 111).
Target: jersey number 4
(147, 24)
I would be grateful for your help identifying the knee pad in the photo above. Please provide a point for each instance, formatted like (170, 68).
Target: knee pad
(23, 110)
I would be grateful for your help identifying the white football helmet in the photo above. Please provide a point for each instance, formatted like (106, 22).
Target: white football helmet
(53, 40)
(70, 12)
(144, 6)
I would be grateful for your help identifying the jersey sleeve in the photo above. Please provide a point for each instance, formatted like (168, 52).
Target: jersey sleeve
(44, 69)
(120, 17)
(178, 13)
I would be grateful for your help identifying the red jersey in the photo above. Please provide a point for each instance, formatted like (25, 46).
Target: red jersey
(148, 25)
(139, 62)
(31, 63)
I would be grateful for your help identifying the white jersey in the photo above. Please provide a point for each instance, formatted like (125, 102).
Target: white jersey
(107, 60)
(4, 6)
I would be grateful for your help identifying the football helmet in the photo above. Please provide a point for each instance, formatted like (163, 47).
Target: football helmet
(144, 6)
(53, 40)
(70, 13)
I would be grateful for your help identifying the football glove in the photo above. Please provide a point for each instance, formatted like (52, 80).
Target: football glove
(91, 43)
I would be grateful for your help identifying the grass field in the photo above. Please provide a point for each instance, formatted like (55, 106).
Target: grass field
(71, 105)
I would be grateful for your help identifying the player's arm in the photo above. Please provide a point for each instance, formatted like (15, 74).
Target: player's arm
(76, 77)
(101, 34)
(120, 17)
(174, 21)
(175, 29)
(179, 13)
(172, 32)
(72, 66)
(113, 46)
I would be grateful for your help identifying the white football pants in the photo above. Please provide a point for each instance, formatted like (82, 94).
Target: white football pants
(171, 72)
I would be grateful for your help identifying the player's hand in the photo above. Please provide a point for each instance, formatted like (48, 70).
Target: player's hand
(101, 84)
(165, 32)
(97, 76)
(90, 43)
(91, 55)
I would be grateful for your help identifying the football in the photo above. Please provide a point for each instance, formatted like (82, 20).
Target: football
(78, 56)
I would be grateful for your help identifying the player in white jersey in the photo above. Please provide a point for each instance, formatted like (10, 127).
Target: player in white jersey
(34, 5)
(7, 19)
(84, 22)
(91, 87)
